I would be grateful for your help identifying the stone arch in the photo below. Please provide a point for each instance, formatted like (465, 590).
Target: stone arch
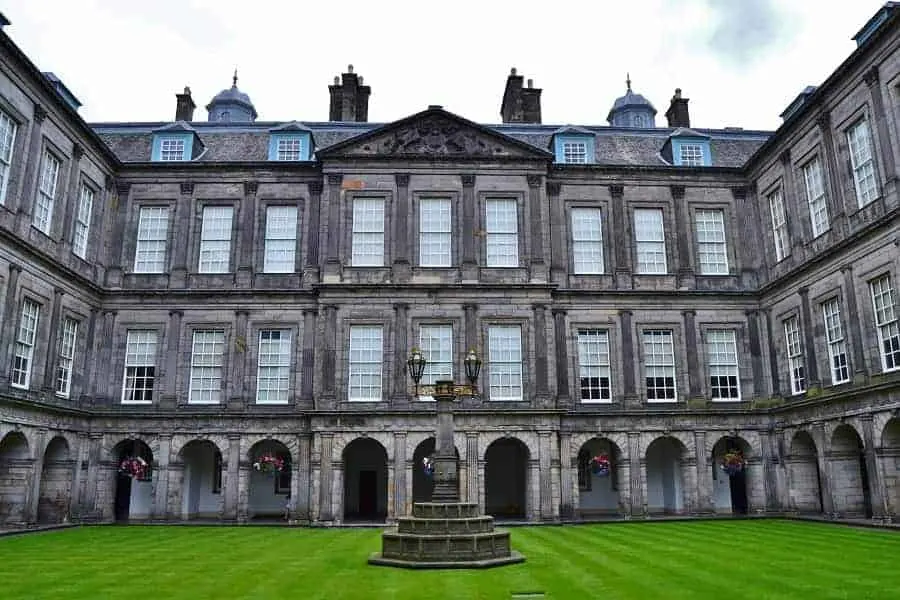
(133, 498)
(849, 473)
(890, 434)
(16, 465)
(365, 461)
(889, 458)
(506, 478)
(268, 490)
(415, 438)
(619, 439)
(342, 440)
(731, 492)
(112, 446)
(56, 481)
(599, 492)
(667, 472)
(802, 463)
(422, 484)
(179, 441)
(199, 490)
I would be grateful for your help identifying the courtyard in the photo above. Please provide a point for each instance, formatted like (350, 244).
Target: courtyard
(737, 559)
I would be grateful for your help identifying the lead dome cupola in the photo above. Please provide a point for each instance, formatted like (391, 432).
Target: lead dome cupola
(632, 110)
(231, 104)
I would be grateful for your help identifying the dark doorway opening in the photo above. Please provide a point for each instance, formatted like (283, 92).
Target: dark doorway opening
(123, 497)
(368, 494)
(738, 483)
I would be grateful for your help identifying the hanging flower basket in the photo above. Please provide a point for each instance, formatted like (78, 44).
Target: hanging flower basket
(600, 465)
(269, 464)
(133, 466)
(733, 462)
(428, 466)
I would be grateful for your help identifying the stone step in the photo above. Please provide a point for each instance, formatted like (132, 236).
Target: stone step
(447, 547)
(436, 526)
(440, 510)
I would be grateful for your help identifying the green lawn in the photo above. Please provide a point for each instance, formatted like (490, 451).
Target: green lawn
(729, 560)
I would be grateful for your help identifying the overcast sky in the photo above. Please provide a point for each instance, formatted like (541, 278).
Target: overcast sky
(740, 62)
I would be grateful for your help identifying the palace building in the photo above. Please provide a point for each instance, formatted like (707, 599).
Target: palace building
(198, 296)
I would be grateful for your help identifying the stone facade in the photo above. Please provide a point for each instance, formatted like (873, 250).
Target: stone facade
(832, 448)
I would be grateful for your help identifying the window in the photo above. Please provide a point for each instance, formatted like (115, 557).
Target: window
(366, 346)
(43, 208)
(593, 365)
(215, 239)
(638, 121)
(691, 155)
(274, 370)
(710, 226)
(207, 358)
(651, 241)
(659, 367)
(368, 232)
(436, 344)
(140, 366)
(68, 333)
(860, 143)
(502, 224)
(171, 149)
(82, 221)
(153, 233)
(884, 300)
(779, 226)
(24, 352)
(587, 241)
(574, 153)
(505, 362)
(289, 148)
(434, 232)
(721, 351)
(834, 336)
(815, 196)
(8, 129)
(795, 355)
(281, 239)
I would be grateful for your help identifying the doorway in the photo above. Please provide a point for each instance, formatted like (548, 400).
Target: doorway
(368, 494)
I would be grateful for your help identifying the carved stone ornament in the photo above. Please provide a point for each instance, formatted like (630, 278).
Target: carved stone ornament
(187, 188)
(402, 179)
(250, 187)
(315, 187)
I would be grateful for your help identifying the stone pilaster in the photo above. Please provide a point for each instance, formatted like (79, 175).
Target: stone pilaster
(753, 342)
(684, 266)
(560, 335)
(80, 452)
(33, 162)
(400, 474)
(835, 198)
(704, 501)
(30, 514)
(82, 381)
(693, 363)
(628, 360)
(110, 382)
(233, 475)
(333, 261)
(53, 341)
(623, 227)
(173, 339)
(542, 391)
(472, 463)
(770, 477)
(566, 480)
(9, 322)
(401, 325)
(635, 472)
(92, 499)
(181, 238)
(70, 202)
(824, 465)
(773, 355)
(326, 510)
(311, 268)
(545, 459)
(809, 339)
(788, 192)
(881, 130)
(303, 477)
(558, 259)
(238, 391)
(851, 305)
(469, 252)
(876, 490)
(401, 270)
(308, 358)
(243, 491)
(161, 478)
(536, 216)
(328, 398)
(470, 326)
(244, 252)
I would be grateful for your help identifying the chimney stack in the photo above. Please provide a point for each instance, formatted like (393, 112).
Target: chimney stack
(520, 104)
(678, 115)
(349, 98)
(184, 106)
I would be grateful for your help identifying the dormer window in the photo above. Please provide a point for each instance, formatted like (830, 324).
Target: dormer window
(573, 146)
(687, 148)
(691, 155)
(574, 153)
(289, 148)
(173, 145)
(290, 142)
(171, 149)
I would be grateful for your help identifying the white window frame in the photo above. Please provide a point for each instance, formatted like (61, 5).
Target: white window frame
(82, 221)
(280, 246)
(215, 239)
(207, 366)
(505, 363)
(587, 240)
(171, 149)
(436, 345)
(594, 373)
(884, 303)
(501, 224)
(365, 363)
(814, 178)
(659, 364)
(8, 130)
(46, 197)
(862, 163)
(23, 355)
(794, 345)
(68, 334)
(837, 345)
(690, 154)
(435, 231)
(367, 237)
(779, 226)
(722, 359)
(139, 378)
(273, 371)
(151, 249)
(575, 153)
(650, 241)
(289, 148)
(712, 249)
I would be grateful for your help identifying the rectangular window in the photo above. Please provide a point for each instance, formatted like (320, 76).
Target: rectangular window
(711, 249)
(66, 359)
(24, 352)
(587, 241)
(273, 375)
(281, 239)
(574, 153)
(721, 351)
(289, 149)
(779, 226)
(834, 336)
(502, 225)
(659, 368)
(43, 207)
(366, 347)
(434, 232)
(859, 141)
(368, 232)
(815, 196)
(215, 239)
(8, 129)
(795, 355)
(140, 366)
(152, 238)
(651, 241)
(884, 301)
(171, 149)
(505, 362)
(691, 155)
(436, 344)
(593, 365)
(83, 221)
(207, 362)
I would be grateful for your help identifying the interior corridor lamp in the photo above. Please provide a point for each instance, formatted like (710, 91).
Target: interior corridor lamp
(416, 366)
(473, 366)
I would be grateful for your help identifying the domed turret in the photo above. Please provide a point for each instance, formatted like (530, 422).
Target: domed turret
(231, 105)
(631, 110)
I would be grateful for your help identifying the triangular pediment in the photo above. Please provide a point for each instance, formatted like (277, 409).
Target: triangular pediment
(434, 134)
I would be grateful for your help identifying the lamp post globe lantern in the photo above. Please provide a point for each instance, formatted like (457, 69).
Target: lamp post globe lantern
(473, 366)
(416, 366)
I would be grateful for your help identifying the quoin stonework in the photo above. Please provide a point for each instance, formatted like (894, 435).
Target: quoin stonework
(205, 292)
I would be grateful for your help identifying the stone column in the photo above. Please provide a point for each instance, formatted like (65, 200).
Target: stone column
(334, 230)
(328, 398)
(634, 468)
(560, 334)
(33, 491)
(161, 483)
(76, 500)
(472, 463)
(302, 498)
(704, 502)
(53, 341)
(533, 498)
(824, 461)
(773, 355)
(857, 359)
(169, 396)
(874, 475)
(233, 474)
(237, 392)
(546, 481)
(752, 317)
(311, 267)
(243, 495)
(469, 253)
(401, 269)
(401, 320)
(542, 389)
(326, 510)
(623, 229)
(536, 216)
(881, 130)
(32, 168)
(558, 235)
(684, 267)
(630, 399)
(693, 363)
(91, 501)
(770, 478)
(308, 358)
(9, 323)
(400, 474)
(809, 340)
(246, 225)
(566, 481)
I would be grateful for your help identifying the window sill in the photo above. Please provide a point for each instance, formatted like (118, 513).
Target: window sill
(196, 403)
(726, 400)
(595, 402)
(136, 402)
(654, 401)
